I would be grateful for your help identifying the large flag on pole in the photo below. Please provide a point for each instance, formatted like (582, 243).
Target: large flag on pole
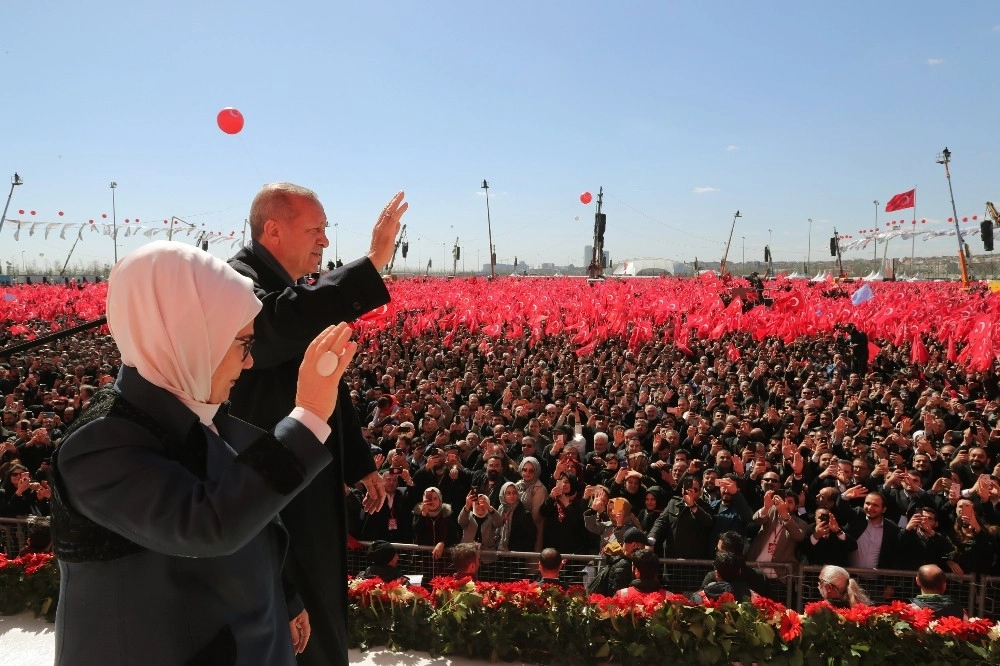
(902, 200)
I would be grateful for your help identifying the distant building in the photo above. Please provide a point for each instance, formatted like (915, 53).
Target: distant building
(649, 266)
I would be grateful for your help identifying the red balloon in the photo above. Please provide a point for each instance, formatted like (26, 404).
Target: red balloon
(586, 198)
(104, 215)
(60, 213)
(230, 120)
(965, 219)
(20, 212)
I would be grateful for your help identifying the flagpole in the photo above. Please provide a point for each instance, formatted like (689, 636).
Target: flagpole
(913, 230)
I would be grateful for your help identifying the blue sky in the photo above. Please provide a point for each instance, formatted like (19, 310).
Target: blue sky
(683, 111)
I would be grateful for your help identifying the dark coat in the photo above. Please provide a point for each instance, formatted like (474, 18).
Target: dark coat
(376, 527)
(432, 530)
(888, 555)
(828, 550)
(682, 532)
(567, 535)
(291, 317)
(205, 552)
(517, 529)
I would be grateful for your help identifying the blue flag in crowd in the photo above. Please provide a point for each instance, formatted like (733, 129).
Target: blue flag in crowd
(863, 294)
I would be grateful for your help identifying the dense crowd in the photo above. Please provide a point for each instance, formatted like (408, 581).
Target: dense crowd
(821, 448)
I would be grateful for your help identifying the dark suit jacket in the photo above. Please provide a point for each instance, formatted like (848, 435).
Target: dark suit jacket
(210, 550)
(888, 555)
(291, 317)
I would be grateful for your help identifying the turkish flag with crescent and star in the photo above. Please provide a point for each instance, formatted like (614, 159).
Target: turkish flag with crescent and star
(902, 200)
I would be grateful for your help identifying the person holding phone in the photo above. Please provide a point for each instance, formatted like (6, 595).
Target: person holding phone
(825, 541)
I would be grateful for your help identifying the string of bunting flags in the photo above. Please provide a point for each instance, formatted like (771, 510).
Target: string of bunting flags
(126, 228)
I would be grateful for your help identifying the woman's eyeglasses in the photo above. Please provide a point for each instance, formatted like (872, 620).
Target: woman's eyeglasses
(247, 343)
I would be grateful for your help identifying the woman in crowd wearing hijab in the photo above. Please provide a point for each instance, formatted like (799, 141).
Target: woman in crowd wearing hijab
(654, 502)
(480, 523)
(164, 507)
(517, 528)
(533, 493)
(434, 526)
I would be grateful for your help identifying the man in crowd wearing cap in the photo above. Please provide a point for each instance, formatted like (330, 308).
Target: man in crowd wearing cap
(617, 573)
(382, 561)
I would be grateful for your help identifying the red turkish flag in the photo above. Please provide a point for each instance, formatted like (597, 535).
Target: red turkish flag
(918, 351)
(901, 201)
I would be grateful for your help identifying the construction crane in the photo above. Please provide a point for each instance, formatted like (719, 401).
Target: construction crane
(991, 211)
(401, 241)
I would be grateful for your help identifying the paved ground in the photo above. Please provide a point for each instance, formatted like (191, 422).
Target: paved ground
(26, 641)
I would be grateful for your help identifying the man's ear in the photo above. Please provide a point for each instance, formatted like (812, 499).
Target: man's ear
(270, 234)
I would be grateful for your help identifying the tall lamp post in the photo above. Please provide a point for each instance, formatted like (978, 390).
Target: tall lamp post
(489, 230)
(809, 246)
(944, 158)
(114, 219)
(875, 233)
(14, 182)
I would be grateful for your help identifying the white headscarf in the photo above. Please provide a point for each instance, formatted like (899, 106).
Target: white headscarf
(174, 312)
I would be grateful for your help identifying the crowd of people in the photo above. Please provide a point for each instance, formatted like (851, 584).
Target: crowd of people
(795, 446)
(803, 451)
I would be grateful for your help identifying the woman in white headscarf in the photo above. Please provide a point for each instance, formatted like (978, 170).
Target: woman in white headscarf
(164, 514)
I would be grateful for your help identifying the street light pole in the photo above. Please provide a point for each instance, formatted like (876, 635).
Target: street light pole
(944, 159)
(14, 182)
(875, 233)
(809, 247)
(114, 219)
(489, 231)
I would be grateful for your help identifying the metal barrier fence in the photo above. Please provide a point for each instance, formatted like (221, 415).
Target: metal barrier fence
(794, 586)
(887, 585)
(14, 533)
(681, 576)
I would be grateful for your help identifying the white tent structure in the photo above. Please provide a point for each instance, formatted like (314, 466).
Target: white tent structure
(651, 267)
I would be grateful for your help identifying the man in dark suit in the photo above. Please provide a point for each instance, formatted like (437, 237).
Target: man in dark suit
(877, 538)
(288, 235)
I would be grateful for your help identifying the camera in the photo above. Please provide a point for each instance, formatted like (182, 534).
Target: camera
(825, 518)
(396, 470)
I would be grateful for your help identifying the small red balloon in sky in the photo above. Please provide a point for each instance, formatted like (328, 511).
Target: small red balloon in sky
(230, 120)
(20, 212)
(60, 213)
(586, 197)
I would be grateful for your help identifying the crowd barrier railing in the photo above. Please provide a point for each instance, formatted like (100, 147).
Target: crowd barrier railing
(793, 585)
(14, 533)
(884, 586)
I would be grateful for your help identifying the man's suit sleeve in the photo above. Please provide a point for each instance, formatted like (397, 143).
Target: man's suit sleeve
(291, 317)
